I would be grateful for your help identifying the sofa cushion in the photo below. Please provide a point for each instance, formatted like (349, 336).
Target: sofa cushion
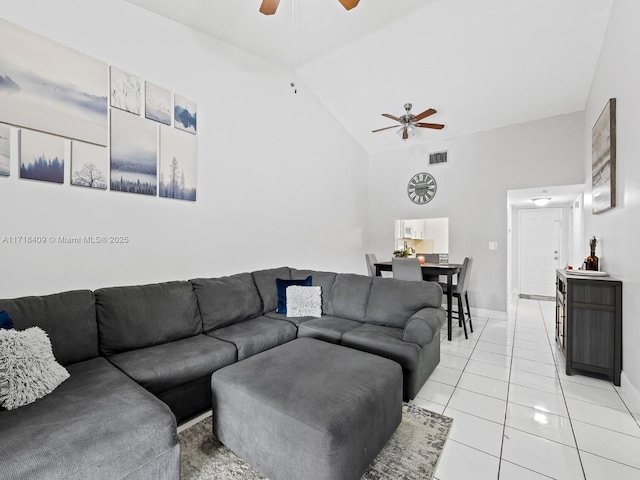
(256, 335)
(162, 367)
(69, 318)
(226, 300)
(142, 316)
(98, 424)
(393, 302)
(265, 281)
(349, 296)
(28, 369)
(384, 341)
(281, 316)
(327, 328)
(321, 279)
(281, 287)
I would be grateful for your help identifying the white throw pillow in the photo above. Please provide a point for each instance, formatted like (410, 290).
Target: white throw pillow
(28, 369)
(304, 301)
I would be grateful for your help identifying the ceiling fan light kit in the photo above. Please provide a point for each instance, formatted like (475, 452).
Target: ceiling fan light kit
(408, 122)
(269, 7)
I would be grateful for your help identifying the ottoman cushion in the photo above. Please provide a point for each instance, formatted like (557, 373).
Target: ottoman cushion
(308, 409)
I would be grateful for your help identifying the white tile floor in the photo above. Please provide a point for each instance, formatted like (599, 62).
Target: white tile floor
(518, 416)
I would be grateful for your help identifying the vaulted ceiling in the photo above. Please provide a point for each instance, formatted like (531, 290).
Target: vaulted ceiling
(481, 64)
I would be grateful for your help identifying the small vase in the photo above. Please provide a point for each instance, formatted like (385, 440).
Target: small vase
(592, 261)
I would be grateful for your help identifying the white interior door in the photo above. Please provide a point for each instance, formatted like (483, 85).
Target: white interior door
(539, 250)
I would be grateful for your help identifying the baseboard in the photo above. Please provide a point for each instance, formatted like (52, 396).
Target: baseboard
(483, 313)
(493, 314)
(630, 394)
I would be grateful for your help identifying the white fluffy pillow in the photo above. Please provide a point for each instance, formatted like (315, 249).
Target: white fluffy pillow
(304, 301)
(28, 369)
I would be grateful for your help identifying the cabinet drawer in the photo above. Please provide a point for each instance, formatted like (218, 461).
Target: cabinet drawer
(593, 293)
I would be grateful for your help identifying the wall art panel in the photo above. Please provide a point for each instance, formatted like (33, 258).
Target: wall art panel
(48, 87)
(126, 91)
(178, 164)
(41, 156)
(185, 114)
(134, 154)
(157, 102)
(5, 150)
(89, 165)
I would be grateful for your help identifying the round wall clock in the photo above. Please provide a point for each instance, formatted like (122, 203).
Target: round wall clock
(422, 188)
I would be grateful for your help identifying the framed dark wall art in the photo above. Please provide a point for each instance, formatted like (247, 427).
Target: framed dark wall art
(603, 159)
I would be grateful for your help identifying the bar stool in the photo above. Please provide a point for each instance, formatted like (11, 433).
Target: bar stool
(459, 290)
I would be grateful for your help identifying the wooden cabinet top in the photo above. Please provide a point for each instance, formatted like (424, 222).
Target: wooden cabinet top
(567, 275)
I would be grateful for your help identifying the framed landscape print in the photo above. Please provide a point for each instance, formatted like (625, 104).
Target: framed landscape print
(178, 164)
(134, 154)
(185, 114)
(157, 103)
(126, 91)
(41, 156)
(5, 150)
(89, 165)
(51, 88)
(603, 159)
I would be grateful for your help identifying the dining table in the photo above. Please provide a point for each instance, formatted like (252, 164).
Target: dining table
(430, 270)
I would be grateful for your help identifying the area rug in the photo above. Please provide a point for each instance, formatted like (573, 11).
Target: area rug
(412, 452)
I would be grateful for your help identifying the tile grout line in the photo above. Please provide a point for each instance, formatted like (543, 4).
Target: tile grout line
(506, 406)
(464, 368)
(564, 398)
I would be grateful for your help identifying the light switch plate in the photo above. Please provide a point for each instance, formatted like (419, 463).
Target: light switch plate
(493, 245)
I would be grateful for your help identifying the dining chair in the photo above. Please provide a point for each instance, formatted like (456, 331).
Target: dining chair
(460, 290)
(371, 261)
(406, 268)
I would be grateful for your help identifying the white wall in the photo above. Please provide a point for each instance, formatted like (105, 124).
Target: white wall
(578, 246)
(472, 191)
(617, 230)
(268, 177)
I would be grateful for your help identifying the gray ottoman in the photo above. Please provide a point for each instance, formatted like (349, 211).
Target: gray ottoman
(308, 409)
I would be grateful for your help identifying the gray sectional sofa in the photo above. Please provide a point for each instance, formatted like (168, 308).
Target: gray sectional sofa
(141, 360)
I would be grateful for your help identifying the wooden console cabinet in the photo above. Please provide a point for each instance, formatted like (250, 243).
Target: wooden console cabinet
(589, 323)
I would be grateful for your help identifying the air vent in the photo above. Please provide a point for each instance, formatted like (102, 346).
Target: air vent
(438, 157)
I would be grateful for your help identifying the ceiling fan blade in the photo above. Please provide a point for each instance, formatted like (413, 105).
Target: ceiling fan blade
(392, 117)
(385, 128)
(425, 114)
(349, 4)
(269, 7)
(405, 133)
(437, 126)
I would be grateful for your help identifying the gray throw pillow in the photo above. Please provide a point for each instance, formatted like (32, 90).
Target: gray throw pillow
(28, 369)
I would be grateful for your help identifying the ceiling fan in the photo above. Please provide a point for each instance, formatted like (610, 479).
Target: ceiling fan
(409, 121)
(269, 7)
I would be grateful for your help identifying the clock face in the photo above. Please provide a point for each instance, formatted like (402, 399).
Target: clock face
(422, 188)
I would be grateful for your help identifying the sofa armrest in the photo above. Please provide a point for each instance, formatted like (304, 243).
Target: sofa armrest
(424, 326)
